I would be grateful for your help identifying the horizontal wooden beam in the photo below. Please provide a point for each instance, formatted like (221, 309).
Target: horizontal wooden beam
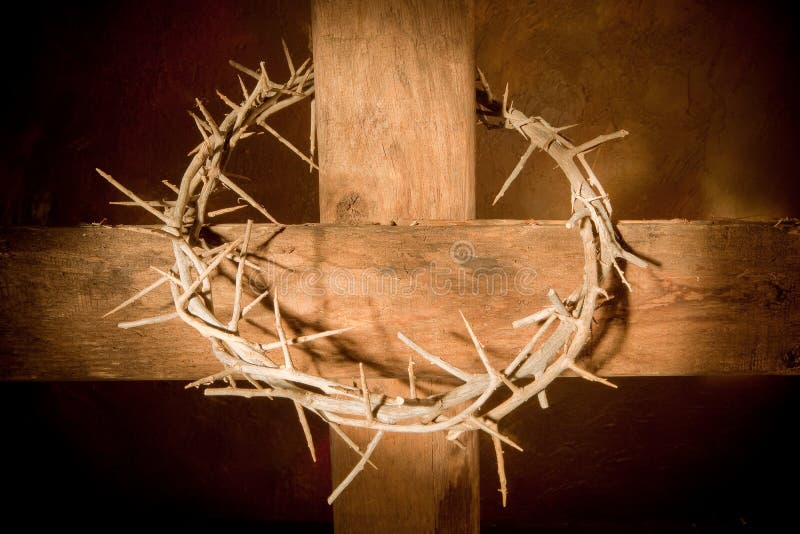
(722, 299)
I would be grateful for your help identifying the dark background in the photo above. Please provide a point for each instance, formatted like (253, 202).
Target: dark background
(706, 90)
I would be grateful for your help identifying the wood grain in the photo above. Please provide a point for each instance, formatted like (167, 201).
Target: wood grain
(396, 102)
(396, 109)
(724, 299)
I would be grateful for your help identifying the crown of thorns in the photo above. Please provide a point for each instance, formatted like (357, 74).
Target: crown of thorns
(267, 368)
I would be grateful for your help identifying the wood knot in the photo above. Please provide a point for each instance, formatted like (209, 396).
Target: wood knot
(350, 209)
(791, 358)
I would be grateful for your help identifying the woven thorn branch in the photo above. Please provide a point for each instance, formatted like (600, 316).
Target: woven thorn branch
(267, 368)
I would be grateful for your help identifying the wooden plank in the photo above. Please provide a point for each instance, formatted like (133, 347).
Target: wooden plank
(395, 92)
(724, 300)
(395, 95)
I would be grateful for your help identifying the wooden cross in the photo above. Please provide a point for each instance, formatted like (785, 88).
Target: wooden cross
(395, 105)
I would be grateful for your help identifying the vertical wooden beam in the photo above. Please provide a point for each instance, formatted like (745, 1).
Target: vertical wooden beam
(423, 484)
(396, 109)
(396, 115)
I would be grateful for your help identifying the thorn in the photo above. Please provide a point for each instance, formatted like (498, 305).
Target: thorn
(586, 375)
(558, 304)
(365, 393)
(243, 69)
(501, 469)
(539, 316)
(350, 442)
(435, 360)
(170, 186)
(284, 345)
(306, 430)
(542, 397)
(357, 469)
(228, 102)
(131, 195)
(148, 321)
(137, 296)
(562, 128)
(288, 58)
(515, 172)
(412, 386)
(491, 430)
